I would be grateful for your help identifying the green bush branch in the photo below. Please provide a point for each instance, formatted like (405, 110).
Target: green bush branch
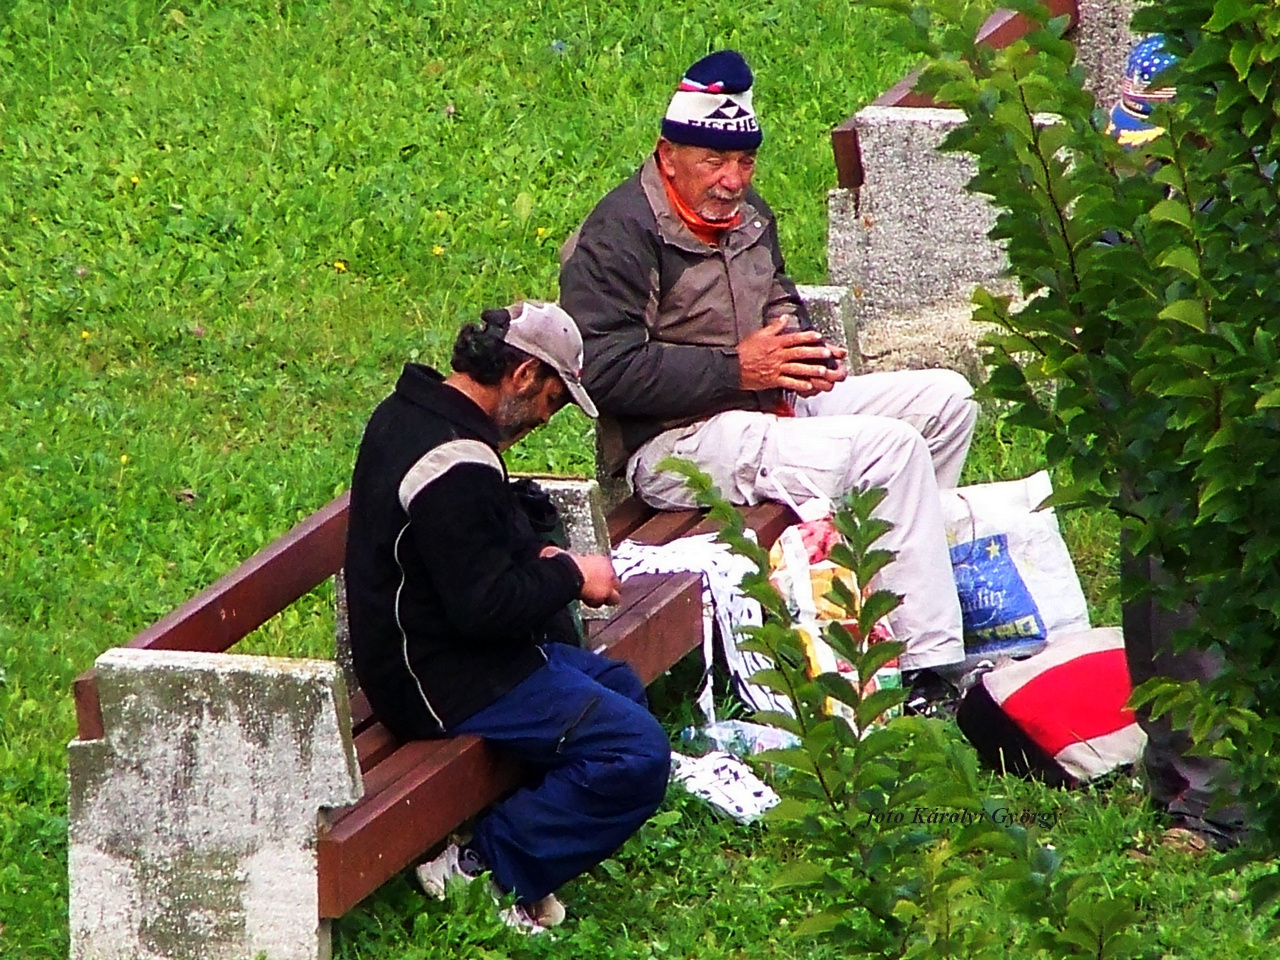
(1146, 350)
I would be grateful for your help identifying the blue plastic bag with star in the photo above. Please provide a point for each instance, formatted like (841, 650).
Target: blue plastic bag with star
(1000, 615)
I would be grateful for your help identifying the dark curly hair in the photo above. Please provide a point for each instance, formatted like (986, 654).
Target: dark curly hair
(482, 354)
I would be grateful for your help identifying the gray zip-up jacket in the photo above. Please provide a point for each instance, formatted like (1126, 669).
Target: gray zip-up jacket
(662, 313)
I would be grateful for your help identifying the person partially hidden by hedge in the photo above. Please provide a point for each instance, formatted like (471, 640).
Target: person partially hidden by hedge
(1181, 783)
(698, 345)
(459, 619)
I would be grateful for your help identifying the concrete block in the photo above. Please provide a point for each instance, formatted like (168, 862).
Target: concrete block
(613, 490)
(831, 309)
(193, 822)
(911, 235)
(342, 633)
(911, 242)
(581, 506)
(1103, 40)
(939, 334)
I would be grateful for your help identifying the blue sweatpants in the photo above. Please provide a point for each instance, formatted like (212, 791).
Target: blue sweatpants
(581, 724)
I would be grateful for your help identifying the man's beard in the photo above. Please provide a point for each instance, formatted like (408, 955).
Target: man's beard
(516, 415)
(705, 212)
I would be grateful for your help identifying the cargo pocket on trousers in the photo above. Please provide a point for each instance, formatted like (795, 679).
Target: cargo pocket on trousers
(570, 732)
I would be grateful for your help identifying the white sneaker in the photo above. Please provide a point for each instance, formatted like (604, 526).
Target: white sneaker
(533, 918)
(434, 876)
(547, 912)
(518, 917)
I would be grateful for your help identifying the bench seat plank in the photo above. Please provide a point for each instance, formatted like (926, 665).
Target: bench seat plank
(657, 631)
(373, 745)
(447, 782)
(625, 517)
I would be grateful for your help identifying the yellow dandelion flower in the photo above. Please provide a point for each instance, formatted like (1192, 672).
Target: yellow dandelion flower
(437, 250)
(542, 232)
(124, 458)
(340, 266)
(439, 214)
(85, 334)
(134, 180)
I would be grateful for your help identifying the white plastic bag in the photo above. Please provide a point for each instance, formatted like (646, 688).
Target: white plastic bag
(1018, 587)
(740, 737)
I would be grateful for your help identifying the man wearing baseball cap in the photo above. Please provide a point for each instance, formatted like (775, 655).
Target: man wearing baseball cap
(698, 344)
(459, 619)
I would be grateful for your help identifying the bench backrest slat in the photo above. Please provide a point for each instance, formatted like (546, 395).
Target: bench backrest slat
(258, 589)
(239, 603)
(626, 517)
(665, 527)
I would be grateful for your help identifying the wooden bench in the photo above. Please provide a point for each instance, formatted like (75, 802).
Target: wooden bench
(416, 793)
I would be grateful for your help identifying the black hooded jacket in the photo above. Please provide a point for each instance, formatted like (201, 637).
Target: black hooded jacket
(447, 597)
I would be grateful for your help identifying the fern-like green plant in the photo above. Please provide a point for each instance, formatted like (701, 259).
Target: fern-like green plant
(897, 834)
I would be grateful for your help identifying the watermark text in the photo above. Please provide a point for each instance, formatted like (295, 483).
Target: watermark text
(943, 817)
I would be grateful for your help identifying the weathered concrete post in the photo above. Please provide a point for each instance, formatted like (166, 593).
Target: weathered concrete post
(581, 509)
(581, 506)
(831, 310)
(1103, 40)
(193, 822)
(911, 243)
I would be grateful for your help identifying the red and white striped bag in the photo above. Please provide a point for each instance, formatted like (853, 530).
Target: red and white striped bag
(1060, 715)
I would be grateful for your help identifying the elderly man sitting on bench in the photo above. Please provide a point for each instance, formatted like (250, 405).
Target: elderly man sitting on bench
(698, 345)
(459, 619)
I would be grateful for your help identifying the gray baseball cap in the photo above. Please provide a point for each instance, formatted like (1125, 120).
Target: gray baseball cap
(545, 331)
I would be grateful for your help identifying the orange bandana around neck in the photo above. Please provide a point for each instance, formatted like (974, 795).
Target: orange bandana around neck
(708, 231)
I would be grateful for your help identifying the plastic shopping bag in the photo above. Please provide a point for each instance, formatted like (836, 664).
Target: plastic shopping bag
(1017, 585)
(803, 573)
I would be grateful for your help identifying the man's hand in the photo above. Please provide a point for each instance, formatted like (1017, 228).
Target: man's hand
(600, 583)
(775, 358)
(824, 378)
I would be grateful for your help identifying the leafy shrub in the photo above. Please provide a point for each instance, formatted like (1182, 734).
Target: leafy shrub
(1147, 350)
(894, 828)
(324, 189)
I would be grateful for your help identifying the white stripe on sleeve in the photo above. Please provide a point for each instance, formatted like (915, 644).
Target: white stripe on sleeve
(442, 459)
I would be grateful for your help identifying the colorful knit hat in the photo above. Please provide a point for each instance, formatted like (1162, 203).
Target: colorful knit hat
(1130, 119)
(712, 106)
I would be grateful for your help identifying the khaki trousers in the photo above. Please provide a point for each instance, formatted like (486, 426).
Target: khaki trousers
(906, 431)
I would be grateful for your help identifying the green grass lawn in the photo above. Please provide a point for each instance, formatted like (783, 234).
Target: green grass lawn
(223, 227)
